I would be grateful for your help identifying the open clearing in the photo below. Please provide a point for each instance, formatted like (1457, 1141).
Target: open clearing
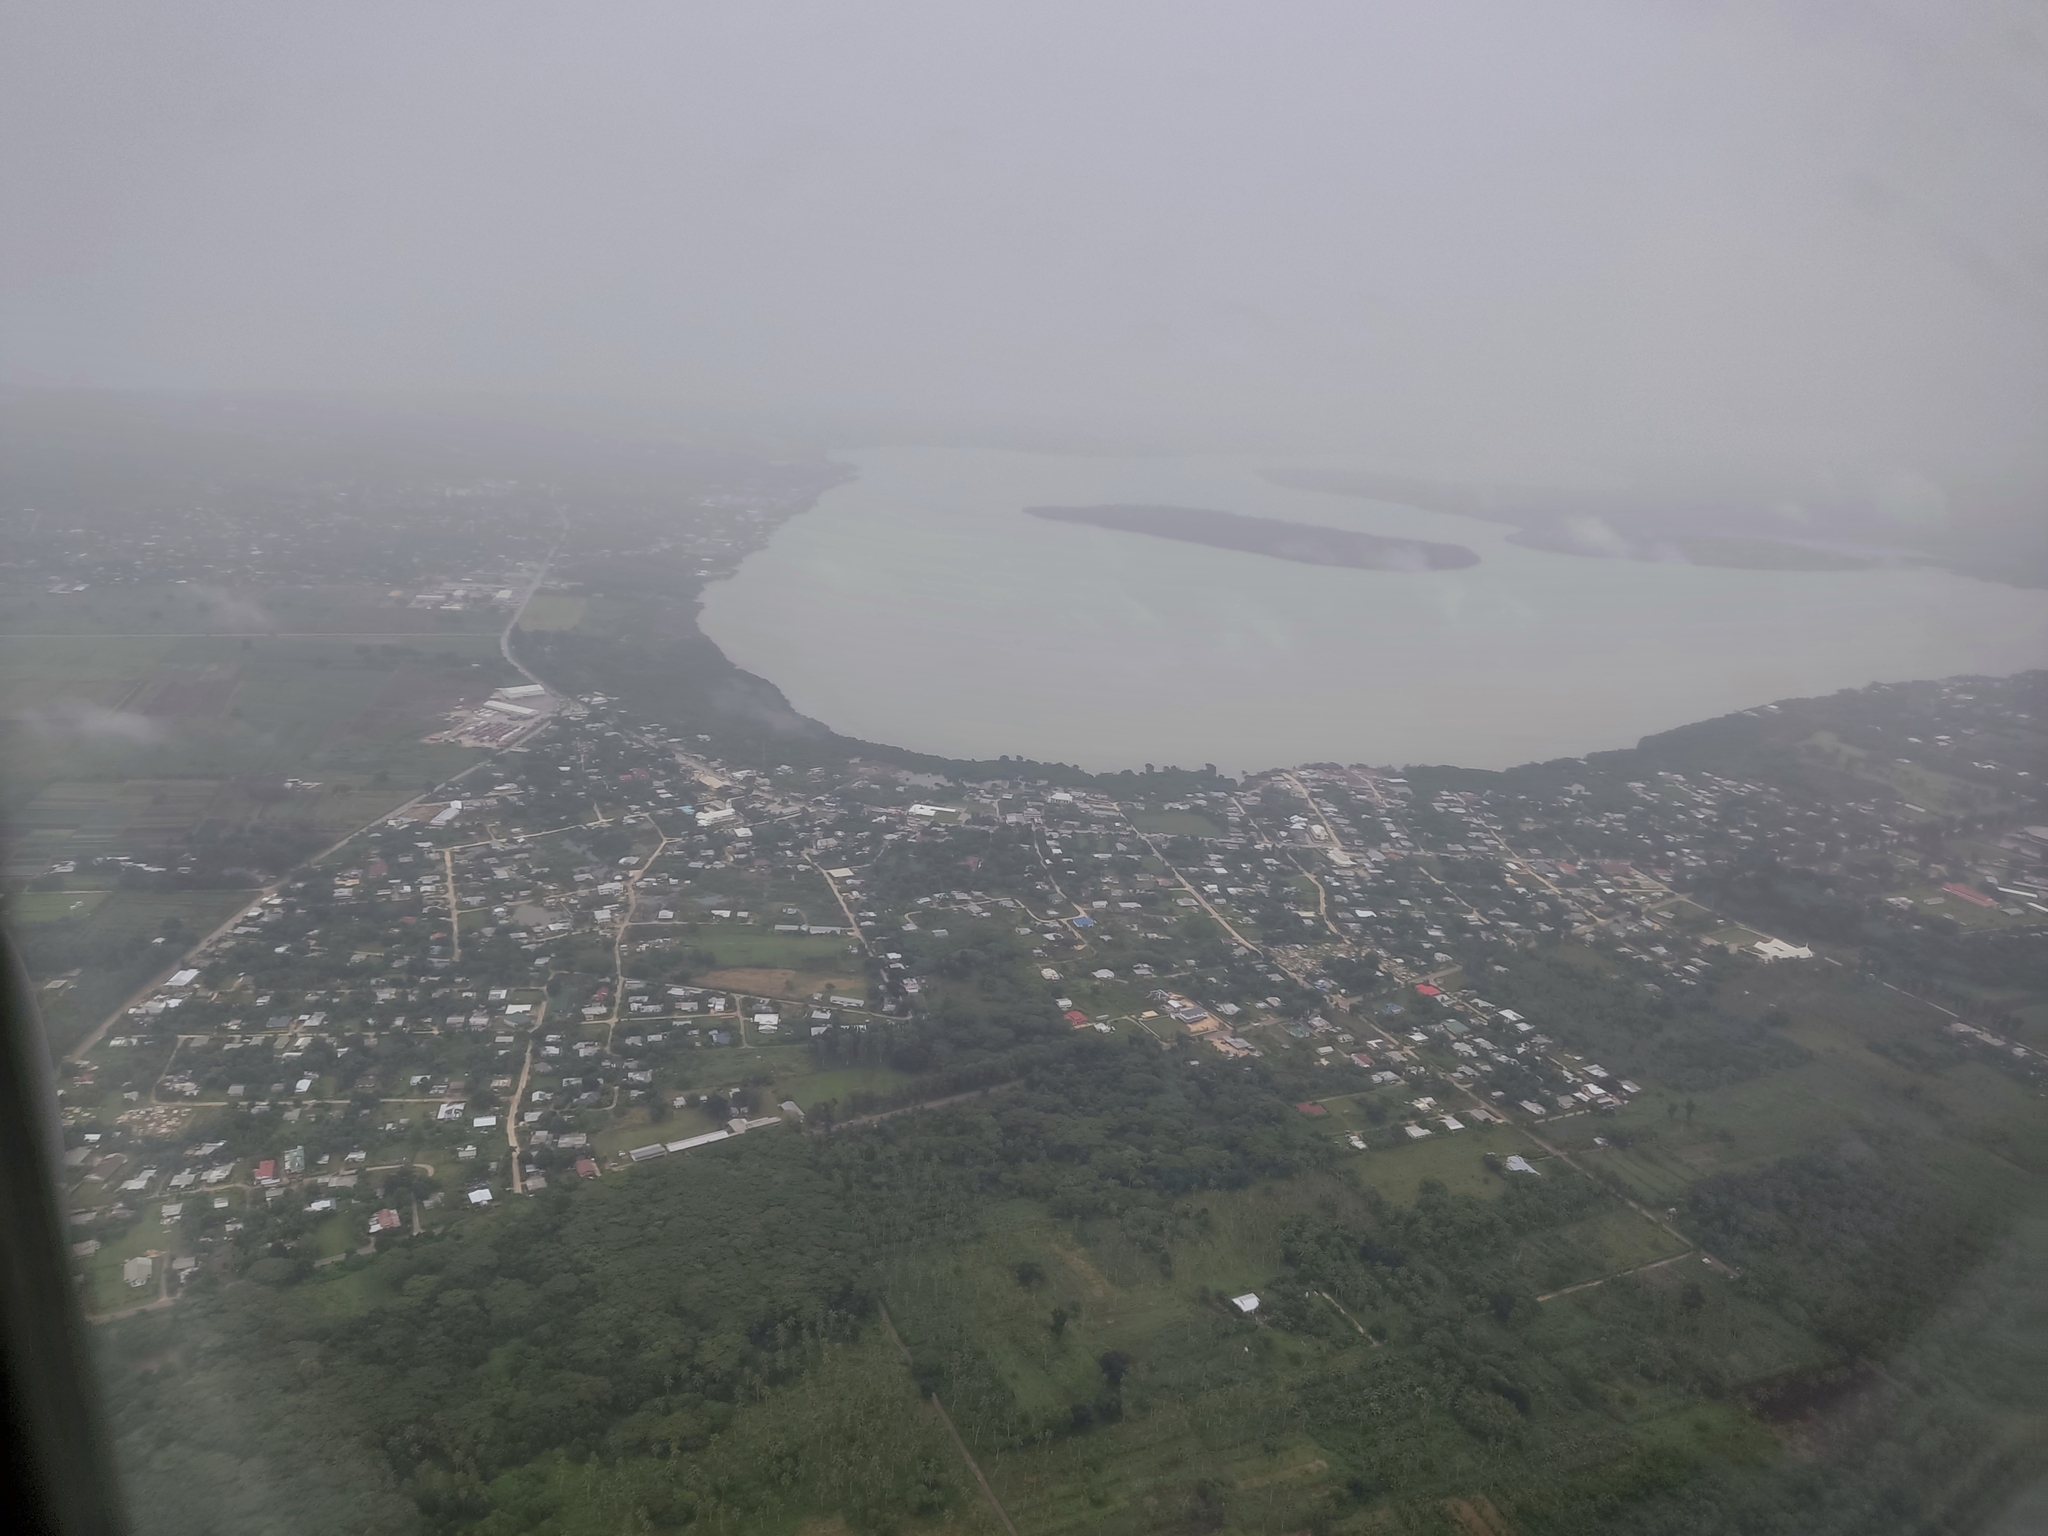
(552, 611)
(1175, 824)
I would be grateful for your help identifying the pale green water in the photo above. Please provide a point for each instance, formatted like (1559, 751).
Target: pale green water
(917, 605)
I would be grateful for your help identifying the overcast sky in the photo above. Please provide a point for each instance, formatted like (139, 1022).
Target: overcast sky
(1535, 236)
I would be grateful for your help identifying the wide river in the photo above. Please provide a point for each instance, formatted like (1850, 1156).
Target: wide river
(916, 605)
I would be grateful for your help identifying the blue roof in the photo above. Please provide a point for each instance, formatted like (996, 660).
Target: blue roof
(1084, 922)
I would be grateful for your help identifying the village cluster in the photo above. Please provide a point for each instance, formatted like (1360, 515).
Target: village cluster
(605, 945)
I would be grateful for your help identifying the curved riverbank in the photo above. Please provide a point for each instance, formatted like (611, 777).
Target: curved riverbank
(914, 605)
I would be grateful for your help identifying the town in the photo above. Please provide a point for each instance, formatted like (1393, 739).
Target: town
(605, 944)
(413, 893)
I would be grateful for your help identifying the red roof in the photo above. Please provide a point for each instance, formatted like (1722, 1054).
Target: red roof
(586, 1167)
(267, 1169)
(1075, 1017)
(1425, 989)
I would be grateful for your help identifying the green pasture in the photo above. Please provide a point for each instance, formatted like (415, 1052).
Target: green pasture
(206, 706)
(740, 946)
(53, 906)
(108, 943)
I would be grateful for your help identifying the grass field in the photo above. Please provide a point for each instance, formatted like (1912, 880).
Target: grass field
(108, 943)
(1452, 1158)
(105, 1291)
(778, 1072)
(357, 613)
(1928, 789)
(737, 946)
(839, 1084)
(553, 610)
(53, 906)
(143, 739)
(146, 914)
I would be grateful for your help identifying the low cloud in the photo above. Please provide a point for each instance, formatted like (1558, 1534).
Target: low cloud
(230, 611)
(1913, 501)
(1594, 536)
(77, 721)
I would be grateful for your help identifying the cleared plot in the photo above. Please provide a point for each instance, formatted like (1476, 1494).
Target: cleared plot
(341, 807)
(1605, 1244)
(758, 981)
(1175, 824)
(1936, 900)
(1656, 1175)
(1455, 1159)
(1094, 997)
(553, 610)
(839, 1085)
(736, 947)
(1751, 1341)
(338, 1234)
(638, 1128)
(1734, 935)
(1688, 916)
(105, 1291)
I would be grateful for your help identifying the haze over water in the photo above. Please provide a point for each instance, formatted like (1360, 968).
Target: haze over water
(916, 605)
